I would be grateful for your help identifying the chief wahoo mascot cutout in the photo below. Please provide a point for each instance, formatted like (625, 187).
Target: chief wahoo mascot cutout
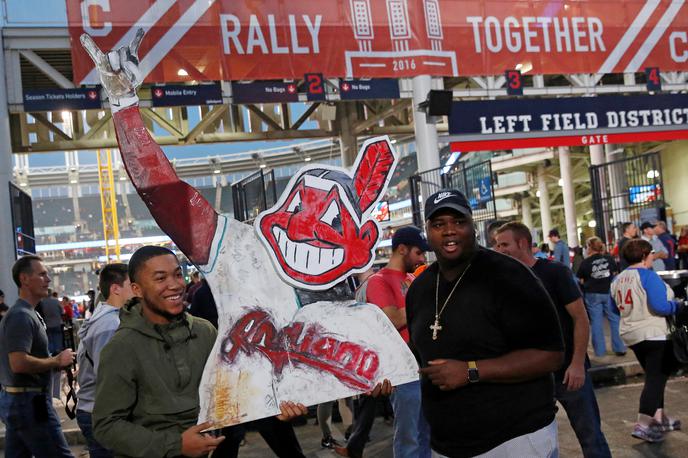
(275, 343)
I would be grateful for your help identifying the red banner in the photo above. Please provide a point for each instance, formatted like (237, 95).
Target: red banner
(207, 40)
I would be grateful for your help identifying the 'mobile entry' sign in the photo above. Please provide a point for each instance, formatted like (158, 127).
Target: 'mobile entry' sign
(183, 95)
(264, 92)
(527, 123)
(62, 99)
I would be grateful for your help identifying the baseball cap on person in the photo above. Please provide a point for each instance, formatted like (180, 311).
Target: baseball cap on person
(410, 236)
(646, 224)
(448, 198)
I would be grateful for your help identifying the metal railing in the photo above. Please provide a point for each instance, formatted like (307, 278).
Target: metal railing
(627, 190)
(474, 181)
(253, 194)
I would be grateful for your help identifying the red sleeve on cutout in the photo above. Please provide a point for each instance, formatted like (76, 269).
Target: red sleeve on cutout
(178, 208)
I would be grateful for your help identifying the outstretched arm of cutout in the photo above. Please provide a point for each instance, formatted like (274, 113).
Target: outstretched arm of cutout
(178, 208)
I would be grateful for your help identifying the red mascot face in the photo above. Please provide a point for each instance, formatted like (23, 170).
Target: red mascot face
(318, 234)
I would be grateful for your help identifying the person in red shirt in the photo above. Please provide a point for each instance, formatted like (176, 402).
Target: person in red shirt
(387, 289)
(68, 312)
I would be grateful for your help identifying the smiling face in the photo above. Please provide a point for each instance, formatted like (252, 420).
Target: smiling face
(315, 236)
(160, 284)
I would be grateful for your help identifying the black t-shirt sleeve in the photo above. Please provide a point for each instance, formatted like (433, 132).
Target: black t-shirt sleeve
(19, 329)
(409, 319)
(527, 317)
(584, 269)
(567, 289)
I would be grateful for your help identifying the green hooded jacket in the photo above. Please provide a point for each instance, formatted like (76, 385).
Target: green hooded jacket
(147, 386)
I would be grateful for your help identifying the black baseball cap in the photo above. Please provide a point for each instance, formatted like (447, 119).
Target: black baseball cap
(646, 224)
(447, 198)
(410, 236)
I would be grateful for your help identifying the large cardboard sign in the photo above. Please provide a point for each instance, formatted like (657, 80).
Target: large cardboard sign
(282, 39)
(272, 347)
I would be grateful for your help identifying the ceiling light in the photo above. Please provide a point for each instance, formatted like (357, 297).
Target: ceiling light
(263, 165)
(592, 223)
(307, 159)
(217, 171)
(182, 72)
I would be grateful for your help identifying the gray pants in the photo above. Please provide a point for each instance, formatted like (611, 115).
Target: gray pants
(324, 413)
(542, 443)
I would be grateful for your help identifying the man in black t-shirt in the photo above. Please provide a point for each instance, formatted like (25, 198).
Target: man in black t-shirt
(32, 427)
(487, 338)
(629, 231)
(572, 384)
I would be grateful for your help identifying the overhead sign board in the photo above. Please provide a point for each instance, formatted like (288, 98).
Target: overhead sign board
(233, 40)
(62, 99)
(186, 95)
(524, 123)
(264, 92)
(357, 89)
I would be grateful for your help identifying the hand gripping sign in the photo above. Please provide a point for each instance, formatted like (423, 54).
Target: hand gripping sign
(270, 348)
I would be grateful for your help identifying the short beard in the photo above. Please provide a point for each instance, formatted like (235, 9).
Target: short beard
(162, 313)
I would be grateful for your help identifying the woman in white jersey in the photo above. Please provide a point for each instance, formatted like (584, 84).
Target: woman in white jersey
(644, 301)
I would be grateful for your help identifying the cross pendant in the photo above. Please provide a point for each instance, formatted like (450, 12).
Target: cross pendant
(435, 328)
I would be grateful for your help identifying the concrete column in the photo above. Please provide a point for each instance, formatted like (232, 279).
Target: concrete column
(526, 213)
(7, 249)
(545, 212)
(347, 136)
(597, 156)
(427, 150)
(569, 196)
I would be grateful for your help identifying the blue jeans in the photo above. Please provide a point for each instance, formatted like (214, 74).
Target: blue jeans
(599, 306)
(584, 416)
(32, 426)
(411, 431)
(85, 422)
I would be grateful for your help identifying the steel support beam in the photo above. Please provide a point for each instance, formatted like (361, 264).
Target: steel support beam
(47, 69)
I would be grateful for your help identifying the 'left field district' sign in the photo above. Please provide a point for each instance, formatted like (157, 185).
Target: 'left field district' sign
(62, 99)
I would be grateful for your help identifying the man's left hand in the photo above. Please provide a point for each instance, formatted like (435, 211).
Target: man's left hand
(290, 410)
(447, 374)
(574, 377)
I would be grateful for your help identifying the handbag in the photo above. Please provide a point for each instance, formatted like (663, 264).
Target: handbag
(678, 333)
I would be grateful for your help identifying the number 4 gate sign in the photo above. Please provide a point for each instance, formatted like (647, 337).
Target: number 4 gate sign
(233, 40)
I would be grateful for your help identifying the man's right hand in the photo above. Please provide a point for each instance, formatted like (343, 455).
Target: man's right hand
(195, 443)
(65, 358)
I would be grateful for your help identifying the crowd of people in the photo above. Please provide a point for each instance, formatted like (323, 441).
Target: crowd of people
(501, 337)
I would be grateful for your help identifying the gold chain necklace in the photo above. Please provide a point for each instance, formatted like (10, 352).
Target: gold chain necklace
(435, 327)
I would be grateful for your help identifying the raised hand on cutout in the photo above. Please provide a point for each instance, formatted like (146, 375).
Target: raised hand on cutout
(119, 70)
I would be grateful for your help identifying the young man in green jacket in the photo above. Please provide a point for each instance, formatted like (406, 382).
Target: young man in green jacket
(147, 390)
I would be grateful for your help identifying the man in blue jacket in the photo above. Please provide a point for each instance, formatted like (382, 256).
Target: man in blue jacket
(97, 331)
